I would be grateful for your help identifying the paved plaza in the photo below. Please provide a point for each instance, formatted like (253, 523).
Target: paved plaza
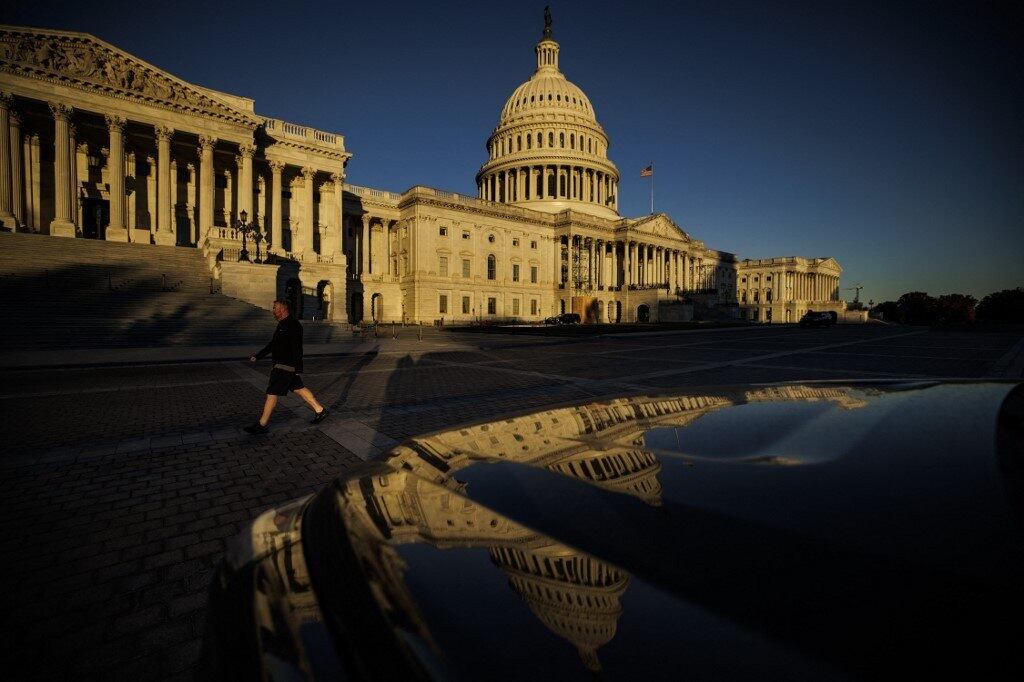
(123, 483)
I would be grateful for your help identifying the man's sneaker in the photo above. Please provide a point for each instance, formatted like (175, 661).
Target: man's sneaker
(256, 428)
(320, 416)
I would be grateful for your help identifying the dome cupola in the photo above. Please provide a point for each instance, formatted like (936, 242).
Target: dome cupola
(548, 152)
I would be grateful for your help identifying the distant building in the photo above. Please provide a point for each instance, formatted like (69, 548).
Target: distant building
(95, 143)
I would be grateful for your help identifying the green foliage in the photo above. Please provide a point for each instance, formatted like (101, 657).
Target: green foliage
(1002, 306)
(889, 310)
(917, 307)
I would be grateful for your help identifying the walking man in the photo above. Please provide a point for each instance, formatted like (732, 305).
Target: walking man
(286, 349)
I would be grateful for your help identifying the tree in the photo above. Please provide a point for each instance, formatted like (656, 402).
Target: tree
(1002, 306)
(955, 309)
(917, 307)
(889, 311)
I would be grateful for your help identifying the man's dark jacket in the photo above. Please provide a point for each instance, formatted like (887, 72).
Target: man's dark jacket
(286, 346)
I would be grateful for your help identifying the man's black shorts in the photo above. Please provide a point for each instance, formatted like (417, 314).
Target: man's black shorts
(282, 381)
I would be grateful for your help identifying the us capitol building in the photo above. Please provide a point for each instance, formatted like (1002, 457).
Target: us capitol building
(98, 144)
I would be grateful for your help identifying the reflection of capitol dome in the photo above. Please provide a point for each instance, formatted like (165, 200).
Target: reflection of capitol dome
(634, 472)
(548, 152)
(574, 595)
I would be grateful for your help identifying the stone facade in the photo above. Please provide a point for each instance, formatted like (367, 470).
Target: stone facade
(95, 143)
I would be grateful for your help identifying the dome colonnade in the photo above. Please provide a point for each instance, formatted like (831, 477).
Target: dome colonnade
(548, 151)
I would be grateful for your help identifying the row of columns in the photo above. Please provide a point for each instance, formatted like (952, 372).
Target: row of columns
(12, 185)
(816, 287)
(642, 265)
(365, 247)
(574, 183)
(792, 286)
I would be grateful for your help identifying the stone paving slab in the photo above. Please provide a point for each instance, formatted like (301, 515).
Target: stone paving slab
(112, 557)
(122, 484)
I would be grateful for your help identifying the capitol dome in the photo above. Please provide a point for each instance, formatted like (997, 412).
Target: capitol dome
(548, 152)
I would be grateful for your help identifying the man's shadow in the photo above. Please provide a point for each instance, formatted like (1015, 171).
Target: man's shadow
(349, 377)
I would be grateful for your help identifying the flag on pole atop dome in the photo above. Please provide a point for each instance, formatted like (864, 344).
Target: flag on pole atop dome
(647, 172)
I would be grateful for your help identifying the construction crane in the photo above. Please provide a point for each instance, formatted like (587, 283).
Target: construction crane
(855, 288)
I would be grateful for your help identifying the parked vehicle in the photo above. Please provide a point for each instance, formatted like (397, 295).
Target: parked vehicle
(564, 318)
(817, 319)
(811, 532)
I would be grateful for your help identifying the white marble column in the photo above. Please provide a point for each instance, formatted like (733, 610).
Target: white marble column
(306, 227)
(62, 224)
(276, 209)
(364, 243)
(164, 219)
(17, 173)
(206, 145)
(244, 159)
(191, 202)
(7, 217)
(339, 215)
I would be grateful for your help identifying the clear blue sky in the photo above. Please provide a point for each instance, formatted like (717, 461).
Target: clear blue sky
(888, 135)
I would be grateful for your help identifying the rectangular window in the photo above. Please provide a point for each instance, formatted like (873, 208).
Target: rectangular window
(465, 234)
(533, 307)
(442, 304)
(515, 242)
(515, 272)
(443, 231)
(465, 268)
(465, 305)
(533, 274)
(442, 266)
(492, 306)
(515, 306)
(533, 245)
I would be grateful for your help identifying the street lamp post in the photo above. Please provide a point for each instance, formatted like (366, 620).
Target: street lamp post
(245, 227)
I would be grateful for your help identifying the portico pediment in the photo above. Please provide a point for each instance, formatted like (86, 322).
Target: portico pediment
(659, 225)
(83, 61)
(829, 263)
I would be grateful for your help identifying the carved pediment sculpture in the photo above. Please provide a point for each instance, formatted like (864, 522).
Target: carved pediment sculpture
(660, 226)
(84, 61)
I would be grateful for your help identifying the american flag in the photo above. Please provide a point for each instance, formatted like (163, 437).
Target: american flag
(647, 172)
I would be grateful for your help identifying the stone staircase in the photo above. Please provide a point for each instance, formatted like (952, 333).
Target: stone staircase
(77, 293)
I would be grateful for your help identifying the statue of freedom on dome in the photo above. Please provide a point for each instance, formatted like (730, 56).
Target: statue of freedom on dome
(547, 21)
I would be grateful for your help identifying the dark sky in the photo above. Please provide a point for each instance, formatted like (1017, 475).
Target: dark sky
(888, 135)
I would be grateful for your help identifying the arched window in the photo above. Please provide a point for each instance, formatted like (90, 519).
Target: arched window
(561, 140)
(519, 143)
(540, 140)
(529, 141)
(590, 148)
(572, 141)
(551, 139)
(492, 267)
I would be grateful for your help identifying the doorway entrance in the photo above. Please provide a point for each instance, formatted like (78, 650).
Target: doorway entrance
(95, 218)
(643, 313)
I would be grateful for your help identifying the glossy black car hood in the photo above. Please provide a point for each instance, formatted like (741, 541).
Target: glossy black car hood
(786, 532)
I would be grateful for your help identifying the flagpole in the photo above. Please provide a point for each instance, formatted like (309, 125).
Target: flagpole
(652, 188)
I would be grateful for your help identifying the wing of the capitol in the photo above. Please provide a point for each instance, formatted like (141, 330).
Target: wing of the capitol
(98, 144)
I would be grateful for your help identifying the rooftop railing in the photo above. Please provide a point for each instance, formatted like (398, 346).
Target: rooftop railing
(293, 131)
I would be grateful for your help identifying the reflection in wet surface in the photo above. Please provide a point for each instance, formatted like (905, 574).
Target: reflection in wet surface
(612, 445)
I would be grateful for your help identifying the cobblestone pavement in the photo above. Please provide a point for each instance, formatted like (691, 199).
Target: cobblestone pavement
(121, 485)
